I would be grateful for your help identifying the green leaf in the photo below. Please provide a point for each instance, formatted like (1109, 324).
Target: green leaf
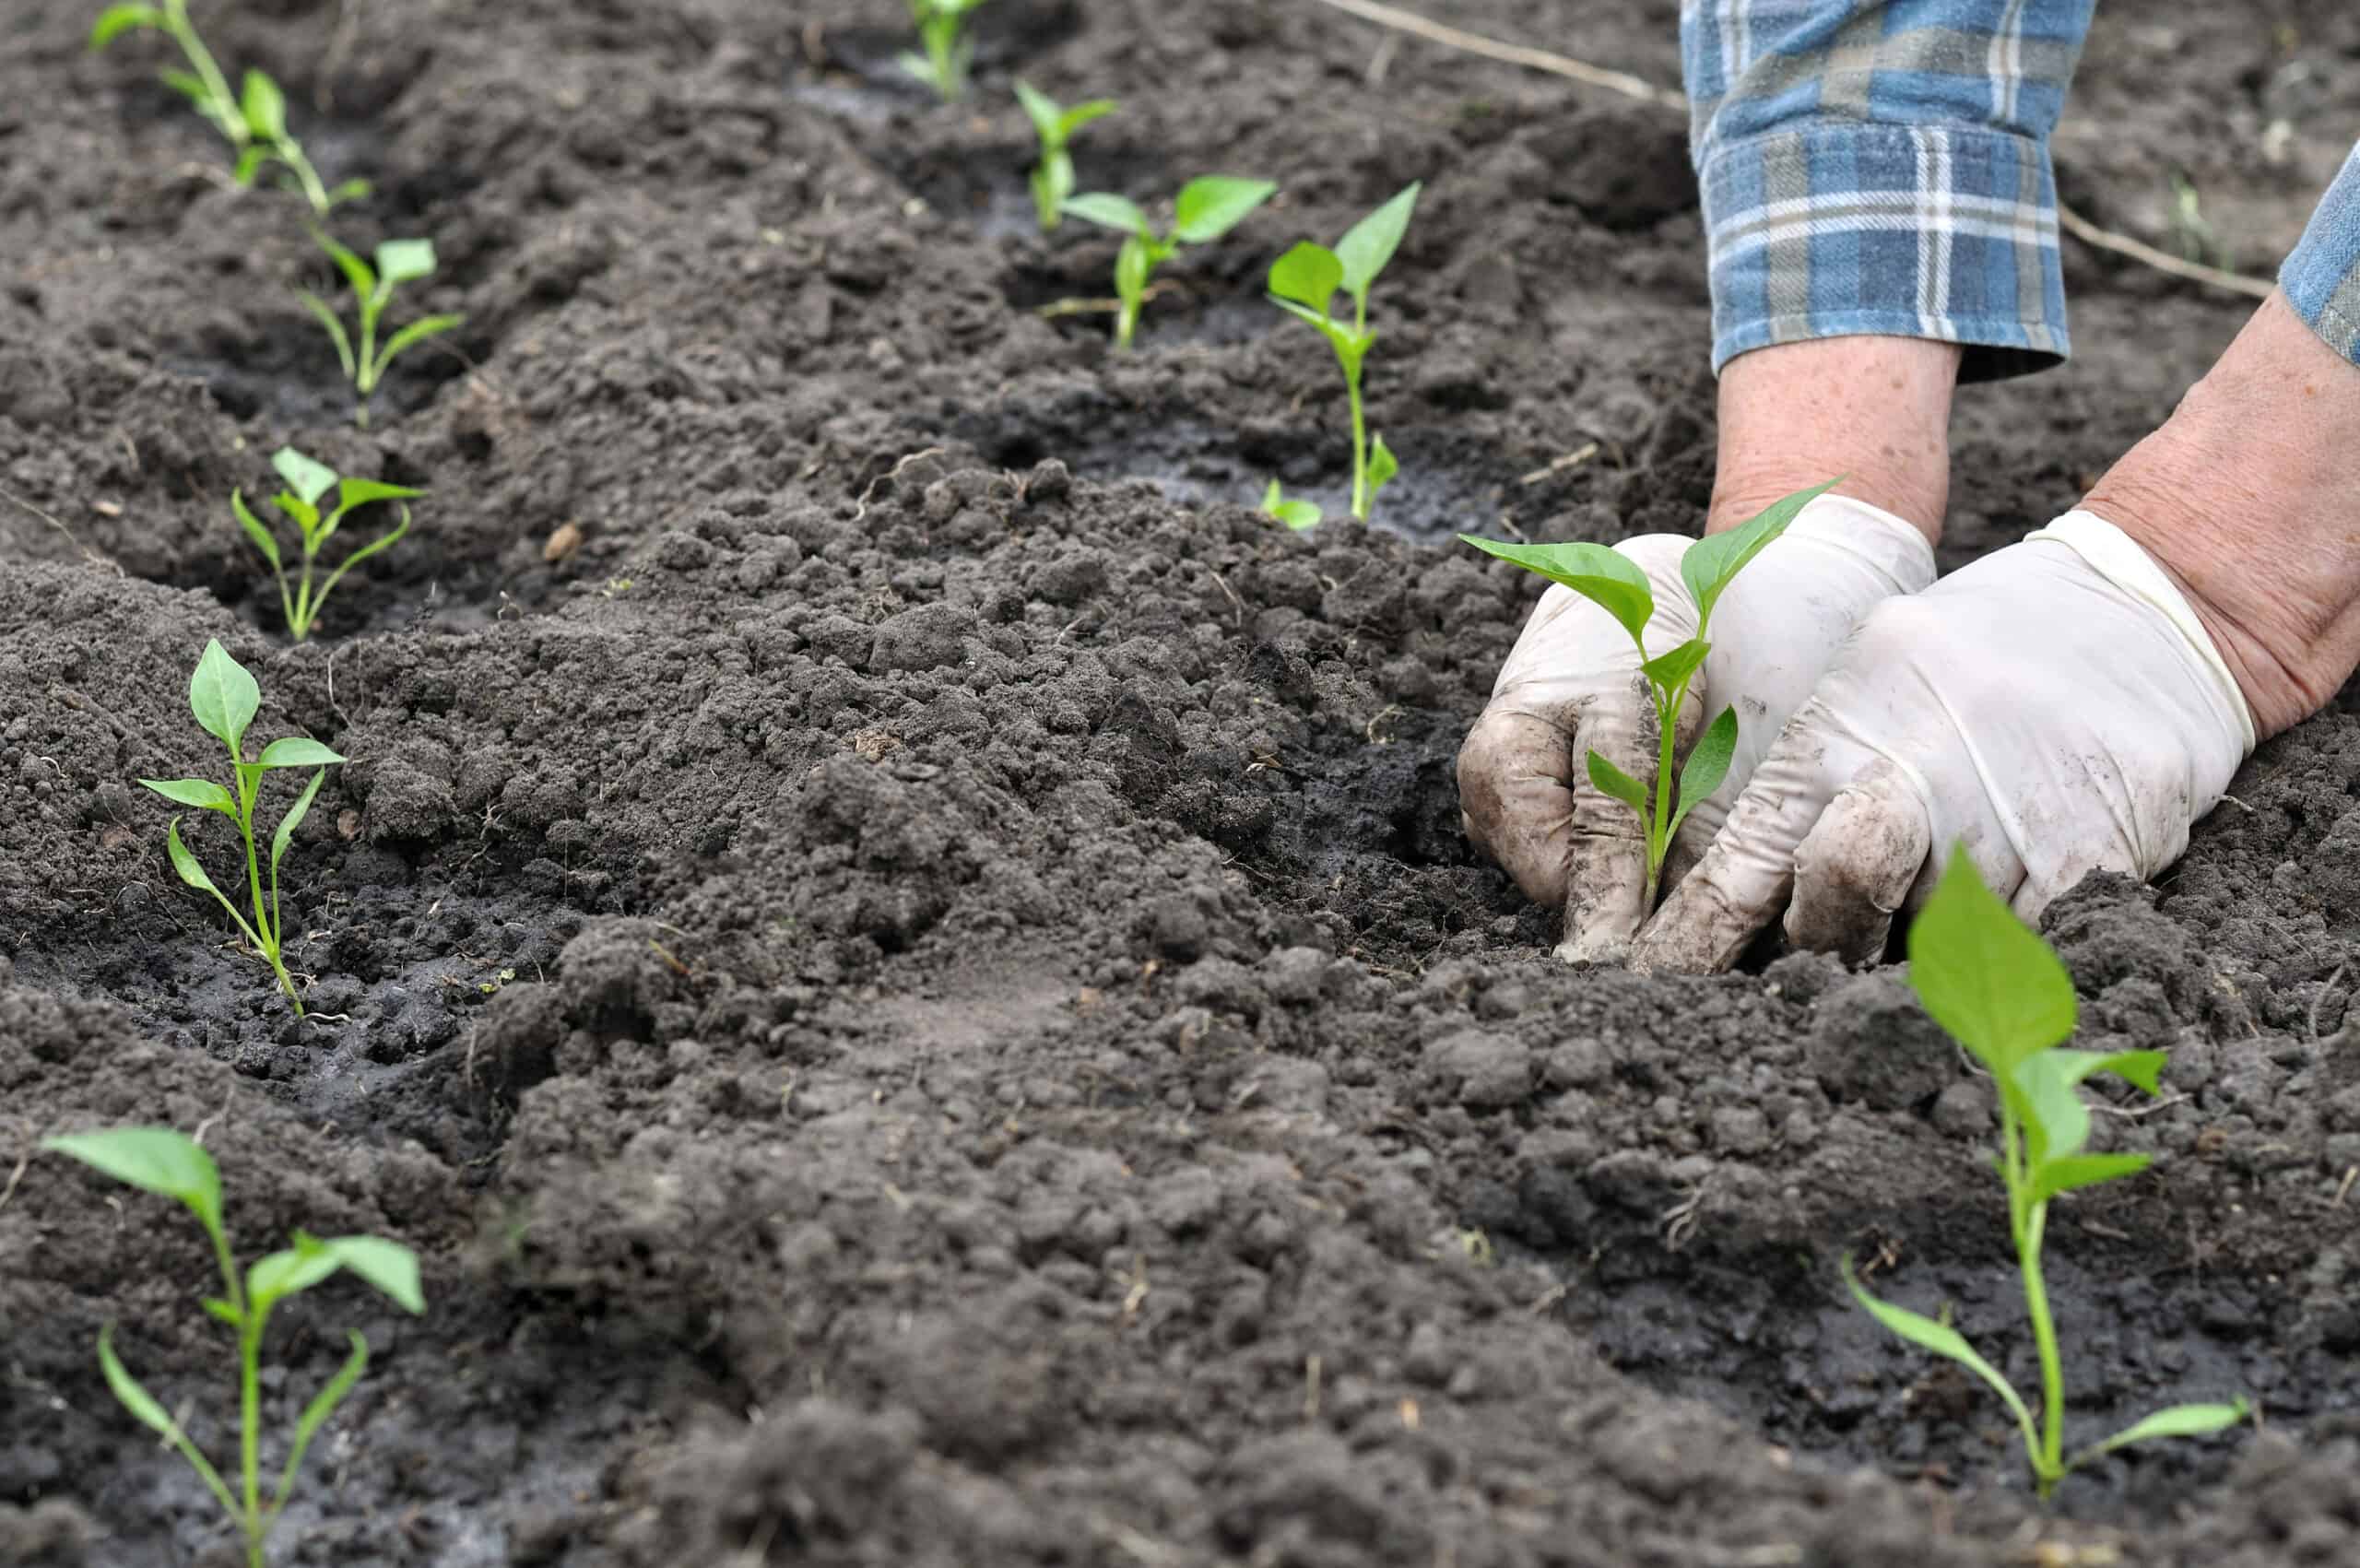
(1611, 779)
(361, 492)
(1339, 336)
(1672, 671)
(1707, 764)
(296, 751)
(405, 261)
(263, 106)
(389, 1265)
(286, 833)
(194, 874)
(1133, 263)
(1942, 1340)
(384, 541)
(1043, 111)
(306, 477)
(197, 92)
(415, 333)
(326, 318)
(1382, 466)
(2180, 1420)
(203, 794)
(1082, 114)
(1713, 561)
(357, 273)
(2077, 1170)
(273, 1278)
(255, 530)
(155, 1160)
(348, 191)
(1308, 274)
(1370, 244)
(250, 162)
(2141, 1068)
(1606, 579)
(1211, 205)
(222, 695)
(2041, 1092)
(1296, 514)
(315, 1415)
(116, 20)
(1984, 975)
(153, 1416)
(1109, 211)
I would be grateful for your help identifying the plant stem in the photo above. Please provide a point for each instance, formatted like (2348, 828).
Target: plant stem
(2050, 1466)
(250, 1432)
(1661, 829)
(232, 118)
(1360, 442)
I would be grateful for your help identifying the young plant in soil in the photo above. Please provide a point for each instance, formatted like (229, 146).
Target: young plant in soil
(307, 481)
(1610, 581)
(1051, 178)
(253, 122)
(2000, 992)
(1207, 208)
(225, 699)
(1296, 514)
(942, 33)
(398, 262)
(160, 1160)
(1303, 284)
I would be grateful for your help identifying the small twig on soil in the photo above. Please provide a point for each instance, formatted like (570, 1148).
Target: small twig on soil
(2147, 1108)
(229, 1092)
(24, 1159)
(1382, 61)
(2322, 997)
(1629, 86)
(93, 557)
(1311, 1370)
(2089, 233)
(2342, 1192)
(893, 473)
(1233, 599)
(1574, 459)
(1056, 307)
(1563, 66)
(2238, 804)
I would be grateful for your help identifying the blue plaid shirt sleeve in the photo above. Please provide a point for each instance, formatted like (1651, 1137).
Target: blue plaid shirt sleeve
(2322, 279)
(1883, 168)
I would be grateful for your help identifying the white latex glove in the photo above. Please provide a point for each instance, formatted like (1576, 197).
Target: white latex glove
(2057, 707)
(1572, 683)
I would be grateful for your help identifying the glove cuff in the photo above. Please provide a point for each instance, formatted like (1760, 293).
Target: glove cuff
(1883, 542)
(2115, 555)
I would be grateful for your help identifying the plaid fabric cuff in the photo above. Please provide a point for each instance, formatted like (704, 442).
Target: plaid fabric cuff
(1836, 230)
(2322, 279)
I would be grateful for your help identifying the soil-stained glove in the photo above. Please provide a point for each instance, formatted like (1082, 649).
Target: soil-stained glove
(1572, 683)
(2057, 707)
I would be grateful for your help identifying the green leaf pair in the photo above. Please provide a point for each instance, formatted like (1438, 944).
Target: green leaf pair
(1207, 208)
(254, 122)
(1608, 579)
(1296, 514)
(307, 483)
(948, 52)
(398, 262)
(225, 699)
(1304, 283)
(1051, 178)
(2000, 992)
(163, 1161)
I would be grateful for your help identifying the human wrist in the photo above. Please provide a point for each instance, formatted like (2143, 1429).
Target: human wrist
(1873, 409)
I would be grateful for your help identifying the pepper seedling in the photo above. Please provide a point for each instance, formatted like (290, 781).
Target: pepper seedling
(160, 1160)
(398, 262)
(1207, 208)
(1997, 989)
(307, 482)
(1616, 585)
(1296, 514)
(225, 699)
(942, 33)
(1051, 178)
(1303, 283)
(253, 122)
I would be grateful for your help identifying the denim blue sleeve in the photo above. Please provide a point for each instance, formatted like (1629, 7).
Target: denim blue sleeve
(1881, 166)
(2322, 279)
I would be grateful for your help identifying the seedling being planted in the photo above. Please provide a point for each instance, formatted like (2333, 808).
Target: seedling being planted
(1616, 586)
(398, 262)
(942, 33)
(2001, 993)
(1296, 514)
(160, 1160)
(225, 699)
(253, 122)
(1303, 283)
(1208, 208)
(1055, 124)
(307, 483)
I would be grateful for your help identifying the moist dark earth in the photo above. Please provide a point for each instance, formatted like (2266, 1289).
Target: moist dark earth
(907, 960)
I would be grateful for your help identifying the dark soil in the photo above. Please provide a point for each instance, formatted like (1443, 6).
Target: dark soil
(920, 991)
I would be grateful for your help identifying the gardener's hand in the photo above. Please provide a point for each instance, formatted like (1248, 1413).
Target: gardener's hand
(2058, 707)
(1572, 683)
